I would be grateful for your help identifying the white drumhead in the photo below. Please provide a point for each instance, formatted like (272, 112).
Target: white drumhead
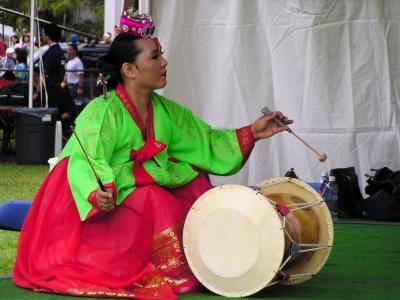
(233, 240)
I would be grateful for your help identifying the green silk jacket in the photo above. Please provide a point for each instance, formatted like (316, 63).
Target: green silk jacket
(127, 154)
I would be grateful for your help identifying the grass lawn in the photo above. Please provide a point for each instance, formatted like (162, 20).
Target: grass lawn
(17, 182)
(363, 264)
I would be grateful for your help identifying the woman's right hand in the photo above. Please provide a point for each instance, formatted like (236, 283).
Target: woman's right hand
(105, 200)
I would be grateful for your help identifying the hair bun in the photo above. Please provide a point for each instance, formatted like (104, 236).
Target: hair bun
(104, 63)
(107, 68)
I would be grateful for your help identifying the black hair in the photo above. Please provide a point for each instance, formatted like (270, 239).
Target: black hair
(52, 31)
(21, 55)
(74, 46)
(25, 35)
(123, 49)
(9, 75)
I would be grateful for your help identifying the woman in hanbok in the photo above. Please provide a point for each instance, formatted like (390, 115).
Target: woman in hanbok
(148, 151)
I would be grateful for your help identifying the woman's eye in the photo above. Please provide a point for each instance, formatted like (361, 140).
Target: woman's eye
(156, 56)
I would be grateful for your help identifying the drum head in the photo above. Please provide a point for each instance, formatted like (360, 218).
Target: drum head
(312, 225)
(233, 240)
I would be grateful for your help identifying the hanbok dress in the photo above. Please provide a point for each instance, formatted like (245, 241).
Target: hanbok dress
(68, 245)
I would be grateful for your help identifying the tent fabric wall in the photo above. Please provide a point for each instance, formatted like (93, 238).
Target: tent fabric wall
(332, 66)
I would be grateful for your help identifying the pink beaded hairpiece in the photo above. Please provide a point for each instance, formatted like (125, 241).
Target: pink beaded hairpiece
(133, 23)
(140, 25)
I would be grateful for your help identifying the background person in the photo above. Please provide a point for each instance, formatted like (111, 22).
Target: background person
(26, 39)
(24, 32)
(3, 46)
(8, 79)
(74, 72)
(106, 38)
(54, 69)
(8, 62)
(14, 43)
(21, 68)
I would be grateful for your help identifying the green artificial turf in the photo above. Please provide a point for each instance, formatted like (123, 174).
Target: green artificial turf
(363, 265)
(17, 182)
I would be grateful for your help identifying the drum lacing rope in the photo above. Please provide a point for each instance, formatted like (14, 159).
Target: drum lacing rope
(299, 206)
(283, 277)
(295, 247)
(299, 246)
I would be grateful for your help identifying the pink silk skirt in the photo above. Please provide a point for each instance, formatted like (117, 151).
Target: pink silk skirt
(135, 251)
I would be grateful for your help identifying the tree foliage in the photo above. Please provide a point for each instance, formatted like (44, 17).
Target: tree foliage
(58, 11)
(56, 7)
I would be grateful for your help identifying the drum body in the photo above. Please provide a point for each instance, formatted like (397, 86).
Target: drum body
(239, 240)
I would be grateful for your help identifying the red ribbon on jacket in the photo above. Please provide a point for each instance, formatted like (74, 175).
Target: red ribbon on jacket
(150, 148)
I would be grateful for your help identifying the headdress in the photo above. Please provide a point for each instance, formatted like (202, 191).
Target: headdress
(136, 24)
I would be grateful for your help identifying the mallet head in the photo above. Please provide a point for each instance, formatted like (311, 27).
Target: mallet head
(323, 157)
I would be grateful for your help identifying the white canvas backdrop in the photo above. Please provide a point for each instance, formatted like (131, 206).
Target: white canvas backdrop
(332, 66)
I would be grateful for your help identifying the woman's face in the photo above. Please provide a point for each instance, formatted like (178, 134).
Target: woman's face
(26, 39)
(151, 66)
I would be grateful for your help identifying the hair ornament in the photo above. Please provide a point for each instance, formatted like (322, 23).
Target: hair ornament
(140, 25)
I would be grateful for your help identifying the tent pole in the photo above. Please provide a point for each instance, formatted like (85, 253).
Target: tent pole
(31, 45)
(144, 6)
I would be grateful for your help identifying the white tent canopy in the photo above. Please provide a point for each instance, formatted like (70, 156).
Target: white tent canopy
(332, 66)
(8, 31)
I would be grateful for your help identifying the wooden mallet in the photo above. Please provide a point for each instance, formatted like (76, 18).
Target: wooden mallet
(322, 156)
(100, 183)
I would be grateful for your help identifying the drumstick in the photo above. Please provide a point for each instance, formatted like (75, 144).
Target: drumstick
(322, 156)
(101, 185)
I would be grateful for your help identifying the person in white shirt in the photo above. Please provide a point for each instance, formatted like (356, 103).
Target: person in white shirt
(106, 38)
(74, 72)
(14, 42)
(8, 62)
(24, 32)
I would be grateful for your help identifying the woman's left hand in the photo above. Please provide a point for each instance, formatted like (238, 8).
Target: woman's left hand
(266, 127)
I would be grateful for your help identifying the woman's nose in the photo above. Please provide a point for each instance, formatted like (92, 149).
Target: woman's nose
(164, 62)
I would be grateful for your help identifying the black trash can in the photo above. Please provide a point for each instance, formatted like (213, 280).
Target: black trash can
(34, 134)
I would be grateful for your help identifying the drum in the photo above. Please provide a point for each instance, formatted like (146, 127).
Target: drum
(239, 240)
